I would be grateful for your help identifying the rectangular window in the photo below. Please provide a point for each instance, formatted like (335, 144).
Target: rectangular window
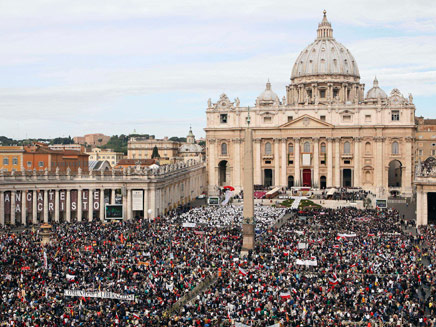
(290, 118)
(41, 164)
(322, 94)
(335, 93)
(15, 161)
(291, 162)
(367, 118)
(223, 118)
(5, 161)
(267, 120)
(29, 164)
(395, 115)
(267, 162)
(346, 118)
(420, 152)
(322, 118)
(433, 152)
(347, 162)
(322, 162)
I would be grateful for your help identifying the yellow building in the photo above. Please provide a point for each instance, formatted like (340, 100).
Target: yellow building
(425, 138)
(11, 158)
(142, 148)
(111, 156)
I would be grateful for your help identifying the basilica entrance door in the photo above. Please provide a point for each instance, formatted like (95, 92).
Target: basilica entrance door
(307, 177)
(431, 208)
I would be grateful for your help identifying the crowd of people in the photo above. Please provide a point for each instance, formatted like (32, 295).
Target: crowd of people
(333, 267)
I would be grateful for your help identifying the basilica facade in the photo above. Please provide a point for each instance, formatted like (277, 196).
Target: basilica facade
(325, 132)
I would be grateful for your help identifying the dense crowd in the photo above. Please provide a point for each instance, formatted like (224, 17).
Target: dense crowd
(330, 268)
(344, 193)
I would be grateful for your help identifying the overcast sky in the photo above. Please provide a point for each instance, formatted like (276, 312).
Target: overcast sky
(109, 66)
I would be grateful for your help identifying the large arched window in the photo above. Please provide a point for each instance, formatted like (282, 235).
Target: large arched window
(395, 148)
(306, 147)
(224, 149)
(347, 147)
(323, 148)
(268, 148)
(291, 148)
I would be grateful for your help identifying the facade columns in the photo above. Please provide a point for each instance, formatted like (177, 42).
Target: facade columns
(35, 208)
(276, 163)
(46, 206)
(284, 181)
(13, 195)
(409, 165)
(357, 169)
(329, 162)
(419, 196)
(379, 165)
(146, 204)
(297, 161)
(90, 204)
(102, 204)
(337, 163)
(153, 203)
(315, 177)
(56, 206)
(237, 163)
(79, 205)
(2, 208)
(24, 207)
(68, 206)
(257, 162)
(424, 210)
(212, 166)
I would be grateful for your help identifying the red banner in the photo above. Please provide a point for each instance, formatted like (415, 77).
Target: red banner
(29, 201)
(73, 200)
(40, 201)
(62, 200)
(85, 200)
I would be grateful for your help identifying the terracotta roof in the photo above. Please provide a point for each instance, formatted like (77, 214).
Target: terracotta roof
(134, 162)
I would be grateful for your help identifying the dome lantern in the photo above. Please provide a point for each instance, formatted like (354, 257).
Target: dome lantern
(325, 30)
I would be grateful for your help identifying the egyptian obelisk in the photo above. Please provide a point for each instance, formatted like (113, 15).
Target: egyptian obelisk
(248, 186)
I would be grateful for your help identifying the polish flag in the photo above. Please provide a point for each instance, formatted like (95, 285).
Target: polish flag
(336, 246)
(136, 316)
(371, 234)
(341, 237)
(285, 296)
(242, 272)
(294, 291)
(334, 280)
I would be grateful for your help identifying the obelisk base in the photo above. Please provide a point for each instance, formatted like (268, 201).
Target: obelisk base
(247, 239)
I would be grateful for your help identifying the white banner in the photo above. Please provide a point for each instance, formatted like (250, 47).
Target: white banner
(189, 225)
(137, 200)
(347, 235)
(306, 159)
(306, 262)
(302, 245)
(99, 294)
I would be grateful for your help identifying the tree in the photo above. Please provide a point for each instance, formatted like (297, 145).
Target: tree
(155, 153)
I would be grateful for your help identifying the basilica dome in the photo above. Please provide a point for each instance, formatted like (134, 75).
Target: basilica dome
(376, 92)
(325, 56)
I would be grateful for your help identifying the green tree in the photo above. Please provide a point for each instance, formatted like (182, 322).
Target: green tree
(155, 153)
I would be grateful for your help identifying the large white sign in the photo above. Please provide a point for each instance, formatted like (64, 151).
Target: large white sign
(306, 159)
(137, 200)
(99, 294)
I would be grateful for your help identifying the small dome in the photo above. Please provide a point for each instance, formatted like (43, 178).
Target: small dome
(325, 56)
(268, 96)
(190, 148)
(376, 92)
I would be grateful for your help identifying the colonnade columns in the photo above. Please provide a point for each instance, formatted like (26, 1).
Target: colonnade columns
(315, 177)
(424, 209)
(13, 195)
(153, 203)
(356, 162)
(46, 206)
(419, 196)
(90, 204)
(35, 208)
(409, 165)
(2, 208)
(68, 207)
(56, 206)
(24, 207)
(101, 204)
(284, 165)
(276, 162)
(146, 203)
(79, 205)
(257, 162)
(129, 204)
(337, 163)
(297, 161)
(329, 162)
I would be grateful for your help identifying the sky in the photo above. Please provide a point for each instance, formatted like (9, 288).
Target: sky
(69, 68)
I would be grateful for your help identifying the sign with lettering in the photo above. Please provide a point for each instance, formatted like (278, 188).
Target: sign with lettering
(100, 294)
(137, 200)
